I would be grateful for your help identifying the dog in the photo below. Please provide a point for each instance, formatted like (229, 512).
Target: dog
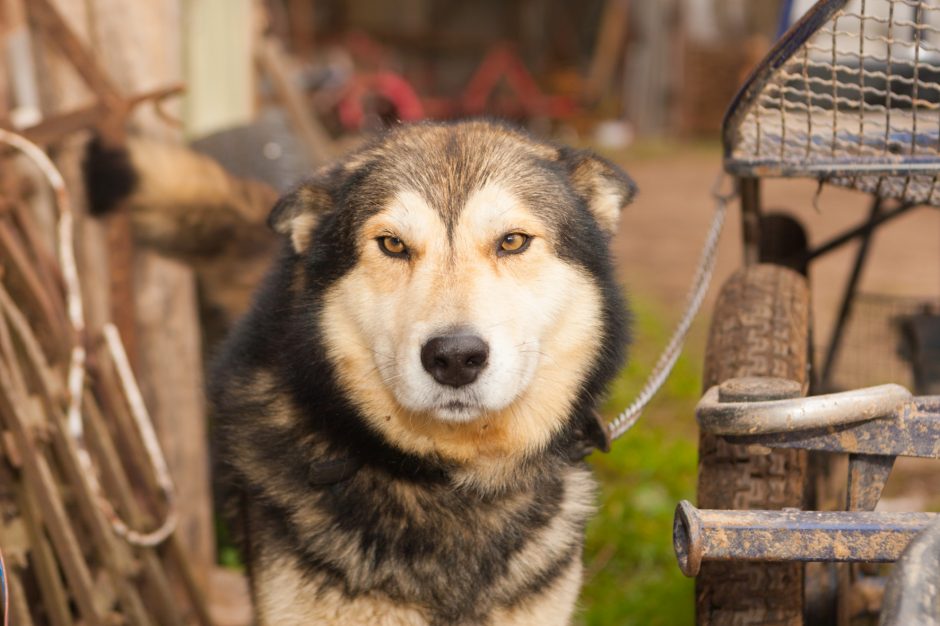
(401, 417)
(185, 205)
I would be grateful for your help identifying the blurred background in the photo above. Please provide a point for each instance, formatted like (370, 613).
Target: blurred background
(271, 89)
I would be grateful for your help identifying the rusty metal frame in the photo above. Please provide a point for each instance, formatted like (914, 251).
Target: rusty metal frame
(720, 413)
(864, 423)
(874, 426)
(886, 420)
(915, 432)
(834, 536)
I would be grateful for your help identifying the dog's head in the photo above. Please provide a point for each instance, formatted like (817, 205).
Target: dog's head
(465, 292)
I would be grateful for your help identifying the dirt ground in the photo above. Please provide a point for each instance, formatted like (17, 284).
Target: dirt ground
(661, 235)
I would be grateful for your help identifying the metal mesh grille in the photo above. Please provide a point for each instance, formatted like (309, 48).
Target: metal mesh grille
(873, 349)
(857, 104)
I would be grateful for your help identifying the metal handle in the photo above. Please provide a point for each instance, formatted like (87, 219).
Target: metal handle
(777, 416)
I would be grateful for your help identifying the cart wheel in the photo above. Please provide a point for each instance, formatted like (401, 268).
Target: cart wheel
(760, 328)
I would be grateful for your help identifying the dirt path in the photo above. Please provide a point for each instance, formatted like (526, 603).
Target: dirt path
(662, 232)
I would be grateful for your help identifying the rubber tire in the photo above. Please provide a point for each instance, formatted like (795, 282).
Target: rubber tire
(760, 327)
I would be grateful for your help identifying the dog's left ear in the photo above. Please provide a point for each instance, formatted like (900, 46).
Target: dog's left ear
(604, 187)
(297, 213)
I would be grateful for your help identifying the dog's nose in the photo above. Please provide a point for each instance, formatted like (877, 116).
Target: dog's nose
(455, 360)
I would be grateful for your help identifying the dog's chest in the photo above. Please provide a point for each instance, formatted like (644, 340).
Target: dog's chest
(459, 557)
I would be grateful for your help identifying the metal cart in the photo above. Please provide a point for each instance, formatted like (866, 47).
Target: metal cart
(850, 96)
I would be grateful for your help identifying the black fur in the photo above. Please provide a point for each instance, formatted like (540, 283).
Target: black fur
(109, 176)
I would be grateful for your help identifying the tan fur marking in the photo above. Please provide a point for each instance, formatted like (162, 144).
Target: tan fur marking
(543, 546)
(606, 205)
(606, 192)
(301, 230)
(553, 607)
(286, 598)
(263, 385)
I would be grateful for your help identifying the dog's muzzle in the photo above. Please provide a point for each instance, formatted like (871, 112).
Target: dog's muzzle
(455, 360)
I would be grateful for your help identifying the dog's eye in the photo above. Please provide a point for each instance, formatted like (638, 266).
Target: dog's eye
(513, 243)
(393, 246)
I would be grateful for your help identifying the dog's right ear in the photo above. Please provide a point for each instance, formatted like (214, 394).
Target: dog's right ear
(605, 187)
(297, 213)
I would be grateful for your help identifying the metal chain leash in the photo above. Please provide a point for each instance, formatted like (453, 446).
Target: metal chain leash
(667, 360)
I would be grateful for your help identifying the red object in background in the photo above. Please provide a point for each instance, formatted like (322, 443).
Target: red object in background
(501, 85)
(387, 86)
(503, 64)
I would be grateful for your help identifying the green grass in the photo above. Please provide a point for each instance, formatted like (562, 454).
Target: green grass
(631, 572)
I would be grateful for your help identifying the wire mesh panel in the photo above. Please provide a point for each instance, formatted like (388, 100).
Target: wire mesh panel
(852, 96)
(874, 349)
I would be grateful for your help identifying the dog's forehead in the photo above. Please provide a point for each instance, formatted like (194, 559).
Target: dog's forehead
(447, 166)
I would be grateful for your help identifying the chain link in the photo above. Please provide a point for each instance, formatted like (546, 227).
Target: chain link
(667, 360)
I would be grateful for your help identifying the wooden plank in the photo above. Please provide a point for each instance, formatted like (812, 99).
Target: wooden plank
(171, 343)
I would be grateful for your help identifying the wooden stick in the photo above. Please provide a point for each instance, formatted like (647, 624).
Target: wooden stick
(46, 266)
(38, 480)
(33, 290)
(61, 35)
(610, 43)
(19, 607)
(273, 61)
(153, 575)
(55, 598)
